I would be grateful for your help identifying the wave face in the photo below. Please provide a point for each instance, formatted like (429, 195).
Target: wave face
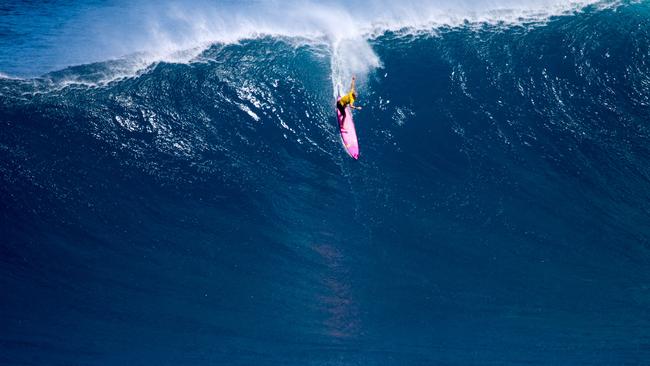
(205, 212)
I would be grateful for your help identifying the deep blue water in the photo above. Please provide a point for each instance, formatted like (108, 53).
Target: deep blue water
(205, 212)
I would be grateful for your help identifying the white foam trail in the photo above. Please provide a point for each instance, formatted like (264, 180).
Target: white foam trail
(351, 57)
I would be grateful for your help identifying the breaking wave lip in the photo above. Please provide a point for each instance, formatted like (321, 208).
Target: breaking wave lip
(349, 48)
(496, 16)
(8, 77)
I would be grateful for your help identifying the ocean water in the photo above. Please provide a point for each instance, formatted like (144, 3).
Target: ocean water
(173, 189)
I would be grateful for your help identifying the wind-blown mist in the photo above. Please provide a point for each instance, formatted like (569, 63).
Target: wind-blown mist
(50, 36)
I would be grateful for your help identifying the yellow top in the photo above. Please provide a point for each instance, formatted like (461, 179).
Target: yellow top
(347, 99)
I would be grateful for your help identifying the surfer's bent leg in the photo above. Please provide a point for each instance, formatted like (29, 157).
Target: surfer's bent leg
(341, 109)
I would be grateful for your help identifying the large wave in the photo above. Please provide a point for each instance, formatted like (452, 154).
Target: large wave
(202, 210)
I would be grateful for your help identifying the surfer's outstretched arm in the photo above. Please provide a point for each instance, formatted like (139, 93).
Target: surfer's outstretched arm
(354, 78)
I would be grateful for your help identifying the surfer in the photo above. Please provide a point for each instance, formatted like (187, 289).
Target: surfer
(347, 100)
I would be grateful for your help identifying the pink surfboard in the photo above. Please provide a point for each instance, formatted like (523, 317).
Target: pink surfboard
(348, 133)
